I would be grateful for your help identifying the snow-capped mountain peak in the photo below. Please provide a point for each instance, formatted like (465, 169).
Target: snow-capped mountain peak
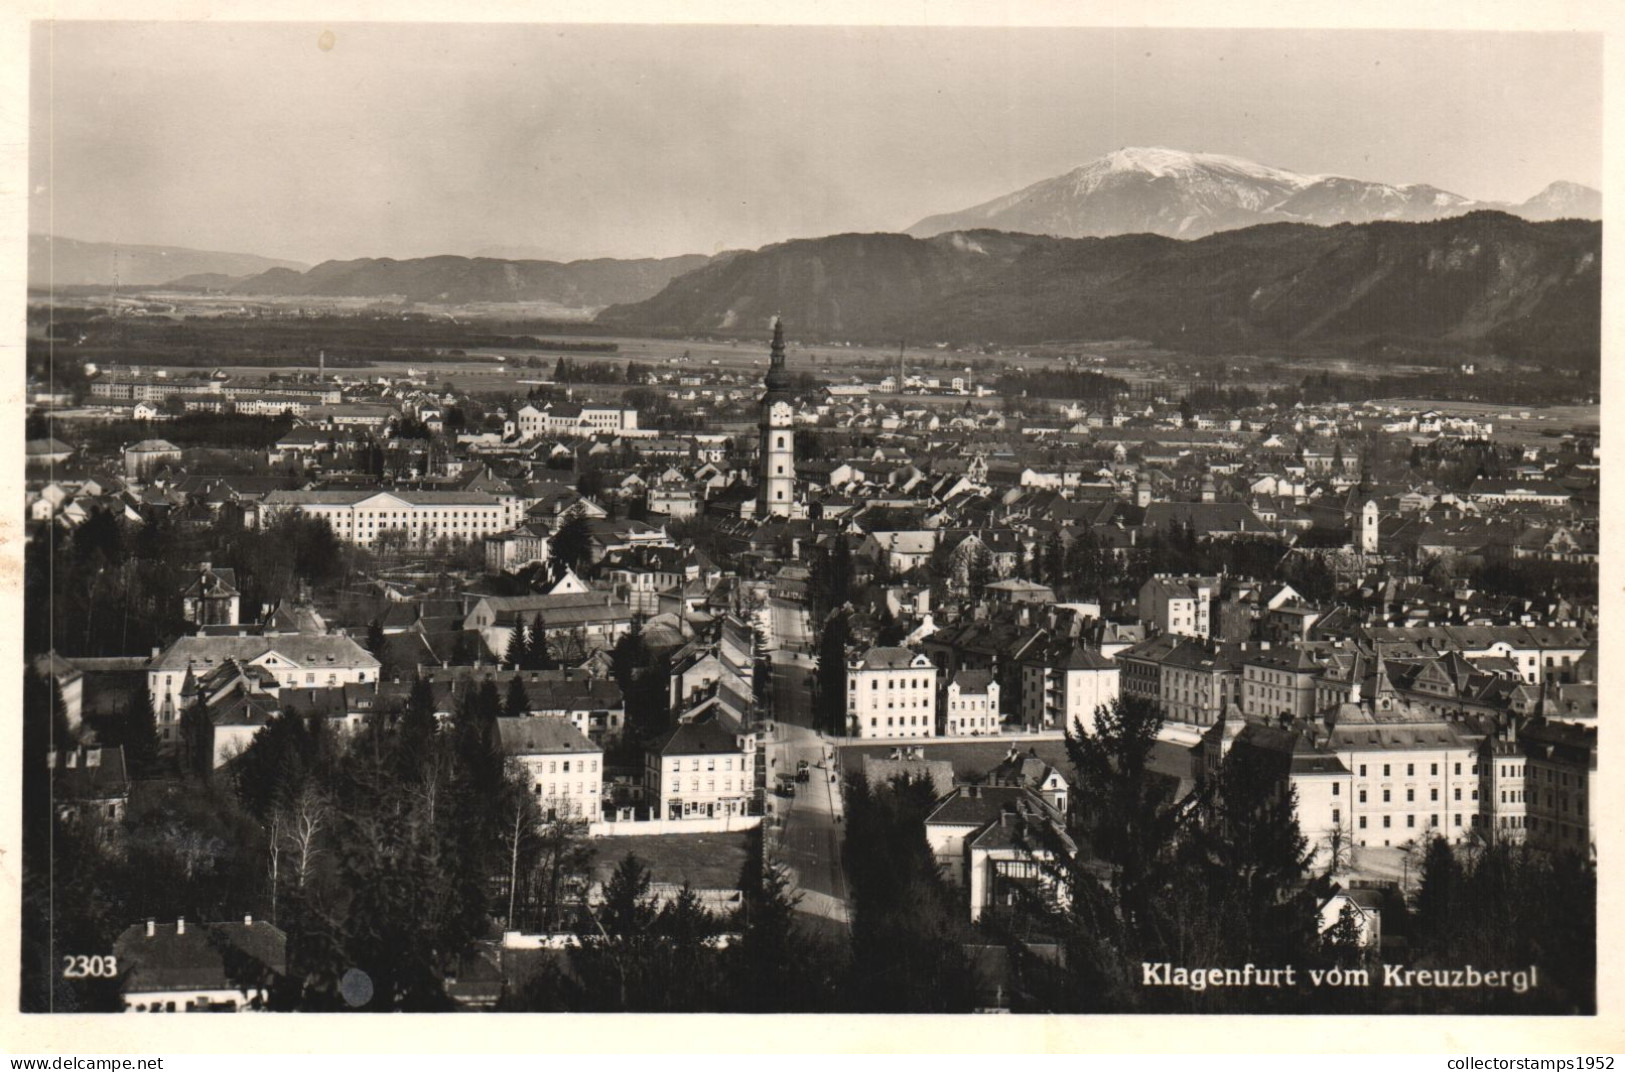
(1176, 163)
(1174, 192)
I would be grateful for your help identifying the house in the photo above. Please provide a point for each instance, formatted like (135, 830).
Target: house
(289, 659)
(146, 457)
(993, 841)
(891, 692)
(201, 967)
(1560, 779)
(51, 451)
(1026, 769)
(565, 769)
(576, 623)
(1182, 605)
(702, 768)
(89, 784)
(971, 708)
(1363, 905)
(212, 597)
(1063, 682)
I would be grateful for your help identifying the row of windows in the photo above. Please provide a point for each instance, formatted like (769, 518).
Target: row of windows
(1410, 794)
(585, 766)
(676, 765)
(710, 785)
(1410, 821)
(1410, 770)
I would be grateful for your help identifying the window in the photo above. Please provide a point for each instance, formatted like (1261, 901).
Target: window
(1386, 796)
(1385, 770)
(1362, 796)
(1337, 816)
(1435, 768)
(1434, 794)
(1387, 821)
(1362, 770)
(1362, 822)
(1410, 769)
(1410, 820)
(1458, 818)
(1410, 795)
(1458, 792)
(1337, 789)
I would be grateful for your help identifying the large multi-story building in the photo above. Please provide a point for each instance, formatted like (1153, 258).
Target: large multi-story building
(891, 692)
(1503, 810)
(1064, 682)
(702, 768)
(564, 768)
(1560, 775)
(1279, 685)
(1182, 605)
(972, 705)
(418, 518)
(285, 661)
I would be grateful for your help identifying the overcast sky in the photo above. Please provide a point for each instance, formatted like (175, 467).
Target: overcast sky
(409, 140)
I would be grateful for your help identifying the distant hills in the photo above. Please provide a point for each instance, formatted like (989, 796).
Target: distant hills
(457, 280)
(1485, 279)
(1188, 195)
(67, 262)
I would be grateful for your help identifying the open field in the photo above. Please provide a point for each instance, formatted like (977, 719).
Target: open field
(704, 861)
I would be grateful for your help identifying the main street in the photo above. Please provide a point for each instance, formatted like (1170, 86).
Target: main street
(808, 825)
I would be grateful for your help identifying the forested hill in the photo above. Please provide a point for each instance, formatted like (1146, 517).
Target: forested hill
(1485, 281)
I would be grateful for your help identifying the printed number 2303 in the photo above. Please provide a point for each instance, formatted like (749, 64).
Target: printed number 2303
(89, 967)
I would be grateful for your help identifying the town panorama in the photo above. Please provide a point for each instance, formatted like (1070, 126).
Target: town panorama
(1171, 587)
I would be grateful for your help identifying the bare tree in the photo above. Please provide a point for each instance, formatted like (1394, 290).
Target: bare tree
(305, 828)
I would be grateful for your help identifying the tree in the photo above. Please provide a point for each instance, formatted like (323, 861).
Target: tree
(418, 723)
(518, 703)
(1344, 941)
(141, 736)
(375, 639)
(1441, 878)
(518, 653)
(908, 929)
(537, 655)
(572, 544)
(831, 675)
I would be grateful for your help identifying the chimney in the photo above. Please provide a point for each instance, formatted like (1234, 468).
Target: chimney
(180, 925)
(152, 927)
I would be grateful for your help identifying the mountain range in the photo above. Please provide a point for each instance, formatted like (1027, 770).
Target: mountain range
(67, 262)
(589, 284)
(1482, 280)
(1188, 195)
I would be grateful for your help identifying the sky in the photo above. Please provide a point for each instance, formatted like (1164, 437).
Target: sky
(309, 142)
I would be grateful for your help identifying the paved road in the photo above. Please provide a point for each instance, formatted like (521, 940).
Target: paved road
(808, 831)
(791, 624)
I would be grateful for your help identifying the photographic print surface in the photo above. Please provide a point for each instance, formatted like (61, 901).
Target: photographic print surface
(655, 518)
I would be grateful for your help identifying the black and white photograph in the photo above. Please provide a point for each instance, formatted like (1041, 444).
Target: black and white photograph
(570, 517)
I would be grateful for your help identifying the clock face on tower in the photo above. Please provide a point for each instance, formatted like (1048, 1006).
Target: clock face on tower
(779, 414)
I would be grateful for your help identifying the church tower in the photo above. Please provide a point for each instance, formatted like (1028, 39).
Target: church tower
(775, 490)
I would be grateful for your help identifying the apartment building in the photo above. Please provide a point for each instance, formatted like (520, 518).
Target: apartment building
(891, 692)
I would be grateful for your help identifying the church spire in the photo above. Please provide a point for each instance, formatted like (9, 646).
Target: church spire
(777, 380)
